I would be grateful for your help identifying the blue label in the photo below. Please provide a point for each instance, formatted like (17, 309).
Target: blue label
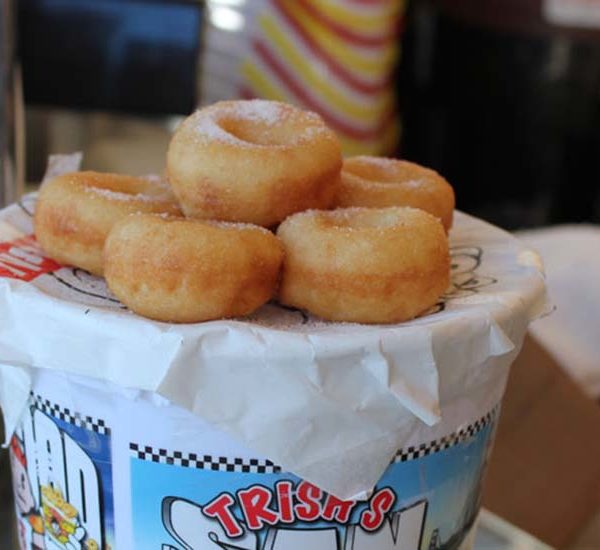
(427, 498)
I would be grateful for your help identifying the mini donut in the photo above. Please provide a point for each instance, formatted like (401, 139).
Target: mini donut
(186, 271)
(379, 182)
(253, 161)
(75, 212)
(364, 265)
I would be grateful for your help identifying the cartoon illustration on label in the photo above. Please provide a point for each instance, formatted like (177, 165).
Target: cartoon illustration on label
(466, 279)
(61, 520)
(61, 469)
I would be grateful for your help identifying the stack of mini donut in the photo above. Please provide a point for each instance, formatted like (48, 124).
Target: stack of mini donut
(259, 204)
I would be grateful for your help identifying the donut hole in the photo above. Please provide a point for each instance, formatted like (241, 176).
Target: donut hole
(257, 132)
(366, 218)
(383, 170)
(118, 183)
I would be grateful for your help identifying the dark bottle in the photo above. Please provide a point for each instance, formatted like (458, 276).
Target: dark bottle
(503, 98)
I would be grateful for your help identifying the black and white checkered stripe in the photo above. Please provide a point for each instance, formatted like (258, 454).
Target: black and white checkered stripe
(96, 425)
(256, 466)
(450, 440)
(203, 462)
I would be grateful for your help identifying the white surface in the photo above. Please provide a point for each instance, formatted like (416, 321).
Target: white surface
(571, 255)
(494, 533)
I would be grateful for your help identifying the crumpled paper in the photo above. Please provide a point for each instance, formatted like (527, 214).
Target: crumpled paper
(62, 164)
(329, 402)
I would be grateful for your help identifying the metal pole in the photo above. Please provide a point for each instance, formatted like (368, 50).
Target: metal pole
(11, 109)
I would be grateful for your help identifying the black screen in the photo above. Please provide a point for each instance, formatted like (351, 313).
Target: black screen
(121, 55)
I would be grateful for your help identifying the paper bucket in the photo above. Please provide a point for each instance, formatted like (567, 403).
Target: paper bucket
(131, 434)
(136, 472)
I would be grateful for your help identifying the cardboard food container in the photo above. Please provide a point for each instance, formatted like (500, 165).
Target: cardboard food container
(275, 432)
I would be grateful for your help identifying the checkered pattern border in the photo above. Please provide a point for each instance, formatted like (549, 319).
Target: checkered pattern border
(66, 415)
(450, 440)
(203, 462)
(256, 466)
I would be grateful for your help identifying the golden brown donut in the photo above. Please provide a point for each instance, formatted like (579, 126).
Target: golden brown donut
(75, 212)
(379, 182)
(364, 265)
(187, 271)
(253, 161)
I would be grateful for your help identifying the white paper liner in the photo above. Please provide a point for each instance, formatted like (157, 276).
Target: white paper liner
(330, 402)
(62, 164)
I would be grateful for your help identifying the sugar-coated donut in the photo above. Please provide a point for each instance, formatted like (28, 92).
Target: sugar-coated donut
(186, 271)
(364, 265)
(379, 182)
(75, 212)
(253, 161)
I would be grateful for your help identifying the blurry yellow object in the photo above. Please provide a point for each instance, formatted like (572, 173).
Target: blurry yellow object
(351, 147)
(261, 83)
(336, 94)
(370, 63)
(371, 18)
(335, 57)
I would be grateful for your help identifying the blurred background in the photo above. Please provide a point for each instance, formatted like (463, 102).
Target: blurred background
(500, 96)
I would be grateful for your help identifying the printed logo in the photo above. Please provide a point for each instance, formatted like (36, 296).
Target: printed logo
(23, 259)
(293, 517)
(428, 498)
